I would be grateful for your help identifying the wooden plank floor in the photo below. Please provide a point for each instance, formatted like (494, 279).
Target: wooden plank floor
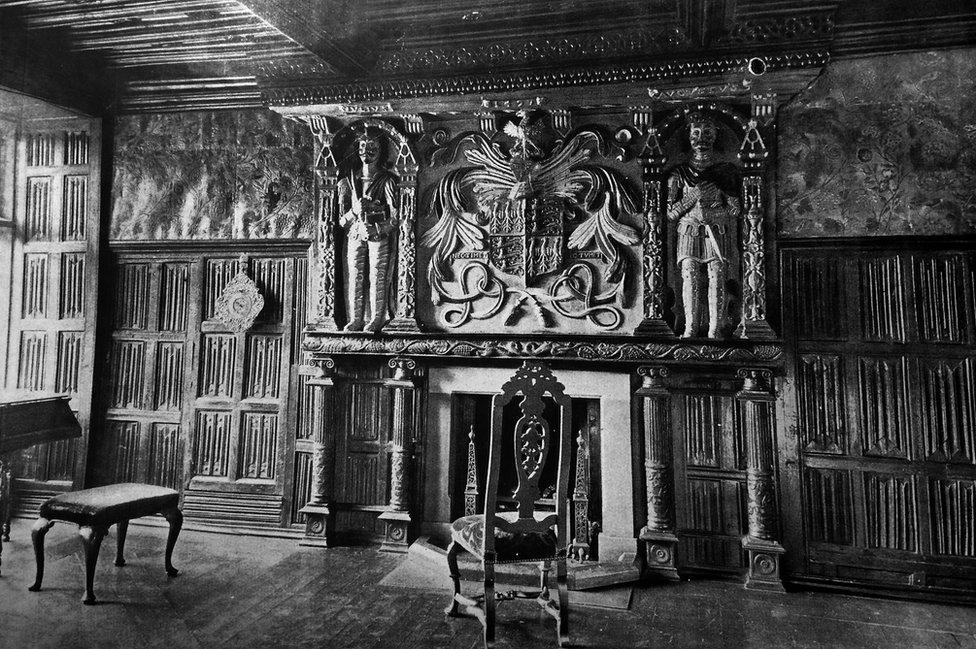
(240, 592)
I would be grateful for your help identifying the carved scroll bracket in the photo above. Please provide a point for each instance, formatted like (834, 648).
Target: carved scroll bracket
(318, 516)
(757, 402)
(658, 535)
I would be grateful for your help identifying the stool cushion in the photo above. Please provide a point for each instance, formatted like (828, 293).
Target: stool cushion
(110, 504)
(469, 532)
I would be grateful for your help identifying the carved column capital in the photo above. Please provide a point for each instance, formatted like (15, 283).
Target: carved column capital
(652, 378)
(318, 368)
(403, 368)
(756, 383)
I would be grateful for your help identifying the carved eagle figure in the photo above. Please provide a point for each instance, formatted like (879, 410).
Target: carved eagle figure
(497, 177)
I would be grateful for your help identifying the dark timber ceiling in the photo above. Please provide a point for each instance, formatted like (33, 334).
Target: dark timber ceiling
(159, 54)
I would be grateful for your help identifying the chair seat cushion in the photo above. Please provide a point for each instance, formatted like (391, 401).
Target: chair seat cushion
(469, 533)
(110, 504)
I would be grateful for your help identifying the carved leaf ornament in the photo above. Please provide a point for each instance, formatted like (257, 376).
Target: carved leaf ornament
(239, 303)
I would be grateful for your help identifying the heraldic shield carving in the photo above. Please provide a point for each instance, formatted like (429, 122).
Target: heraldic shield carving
(531, 225)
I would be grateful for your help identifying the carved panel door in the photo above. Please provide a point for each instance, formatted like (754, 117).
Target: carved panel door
(885, 411)
(53, 289)
(192, 403)
(710, 491)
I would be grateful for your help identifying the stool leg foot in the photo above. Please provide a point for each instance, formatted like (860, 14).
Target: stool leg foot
(91, 539)
(175, 518)
(120, 529)
(38, 531)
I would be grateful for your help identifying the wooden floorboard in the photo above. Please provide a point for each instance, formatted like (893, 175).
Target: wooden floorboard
(240, 592)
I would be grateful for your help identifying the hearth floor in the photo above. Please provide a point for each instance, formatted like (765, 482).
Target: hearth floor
(240, 592)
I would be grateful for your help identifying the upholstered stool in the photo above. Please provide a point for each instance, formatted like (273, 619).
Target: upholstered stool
(94, 510)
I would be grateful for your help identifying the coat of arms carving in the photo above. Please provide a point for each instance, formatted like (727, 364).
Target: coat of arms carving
(530, 225)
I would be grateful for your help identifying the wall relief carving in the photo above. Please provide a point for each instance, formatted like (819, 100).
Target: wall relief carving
(532, 225)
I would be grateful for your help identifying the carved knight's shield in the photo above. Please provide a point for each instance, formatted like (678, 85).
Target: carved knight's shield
(525, 237)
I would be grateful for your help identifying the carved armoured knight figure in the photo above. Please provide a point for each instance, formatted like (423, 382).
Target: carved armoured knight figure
(703, 198)
(368, 212)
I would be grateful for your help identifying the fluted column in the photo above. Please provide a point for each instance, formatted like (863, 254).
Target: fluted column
(757, 403)
(658, 534)
(397, 516)
(318, 516)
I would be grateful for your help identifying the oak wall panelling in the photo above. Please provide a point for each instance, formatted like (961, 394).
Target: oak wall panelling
(49, 345)
(885, 404)
(194, 404)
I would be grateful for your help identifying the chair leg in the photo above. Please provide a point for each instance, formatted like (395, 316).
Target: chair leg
(175, 519)
(452, 565)
(41, 526)
(120, 529)
(489, 604)
(561, 582)
(91, 539)
(544, 578)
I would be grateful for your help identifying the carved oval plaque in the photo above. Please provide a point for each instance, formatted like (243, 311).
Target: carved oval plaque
(239, 303)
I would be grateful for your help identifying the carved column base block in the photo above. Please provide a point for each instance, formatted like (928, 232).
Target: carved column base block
(318, 526)
(764, 561)
(756, 330)
(654, 327)
(659, 554)
(401, 325)
(395, 537)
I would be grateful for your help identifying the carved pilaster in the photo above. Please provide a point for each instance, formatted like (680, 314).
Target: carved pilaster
(405, 314)
(659, 532)
(753, 154)
(326, 175)
(758, 406)
(653, 161)
(318, 519)
(397, 517)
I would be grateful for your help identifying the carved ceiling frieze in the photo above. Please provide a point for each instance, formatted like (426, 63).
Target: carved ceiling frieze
(566, 49)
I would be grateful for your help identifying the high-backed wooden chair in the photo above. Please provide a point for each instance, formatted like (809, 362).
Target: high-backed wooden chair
(523, 535)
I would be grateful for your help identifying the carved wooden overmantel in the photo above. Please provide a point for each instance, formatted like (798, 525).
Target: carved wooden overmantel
(537, 225)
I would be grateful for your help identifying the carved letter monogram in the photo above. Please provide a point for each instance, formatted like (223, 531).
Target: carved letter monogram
(532, 228)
